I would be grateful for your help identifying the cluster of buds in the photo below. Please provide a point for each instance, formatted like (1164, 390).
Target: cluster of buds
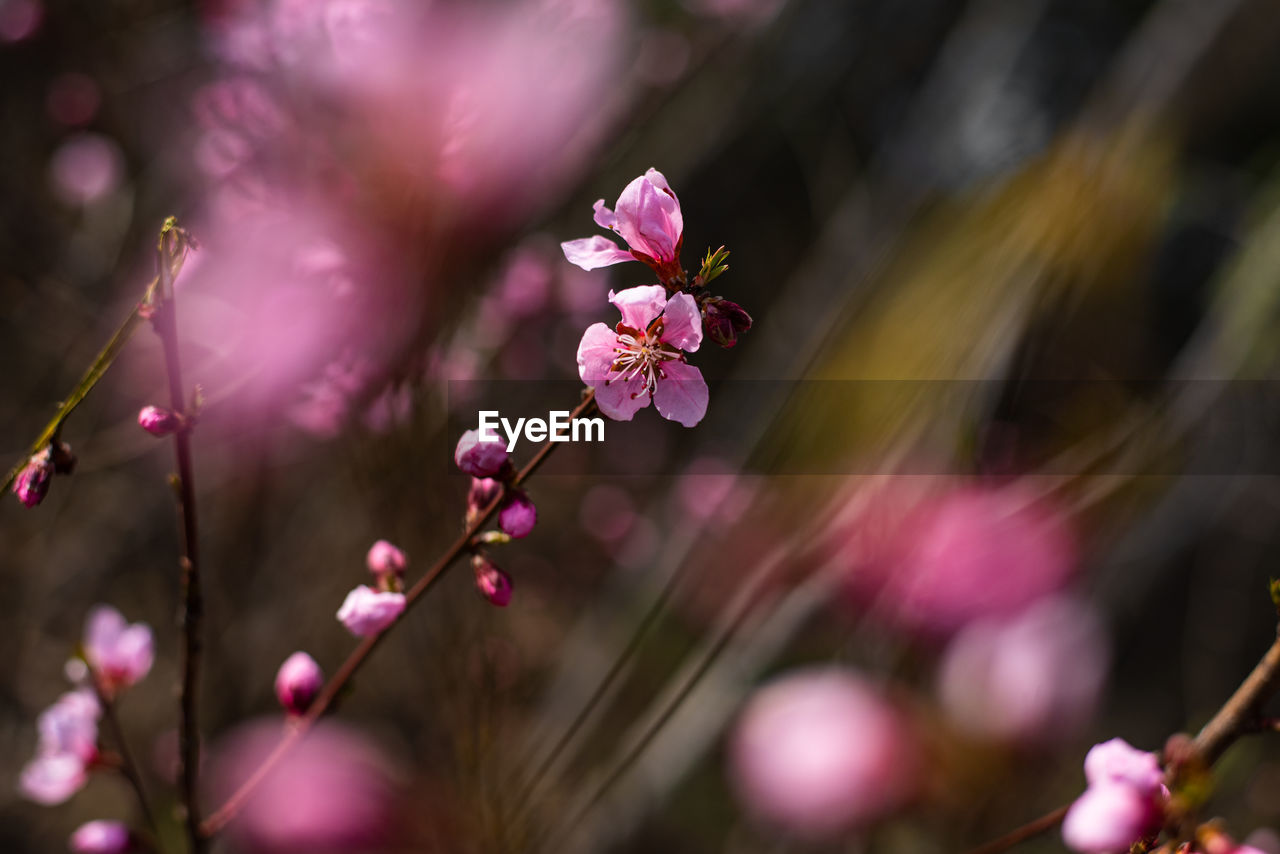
(369, 610)
(493, 480)
(643, 358)
(31, 484)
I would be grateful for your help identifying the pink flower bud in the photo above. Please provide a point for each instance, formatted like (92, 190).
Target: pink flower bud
(297, 682)
(32, 483)
(1109, 817)
(367, 611)
(385, 559)
(518, 515)
(820, 751)
(158, 421)
(1116, 761)
(483, 491)
(480, 459)
(51, 780)
(119, 653)
(493, 584)
(101, 837)
(724, 321)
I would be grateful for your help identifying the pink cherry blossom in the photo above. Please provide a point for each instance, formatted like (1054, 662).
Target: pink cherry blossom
(334, 791)
(386, 559)
(367, 611)
(119, 653)
(1032, 679)
(819, 752)
(297, 682)
(482, 493)
(68, 743)
(518, 515)
(648, 218)
(642, 359)
(1116, 761)
(1109, 817)
(101, 837)
(480, 458)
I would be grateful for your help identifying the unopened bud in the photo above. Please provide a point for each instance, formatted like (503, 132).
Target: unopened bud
(101, 837)
(298, 682)
(724, 321)
(493, 584)
(158, 421)
(385, 559)
(32, 483)
(518, 515)
(483, 491)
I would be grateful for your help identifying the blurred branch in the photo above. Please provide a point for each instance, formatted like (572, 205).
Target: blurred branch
(171, 248)
(128, 767)
(92, 375)
(232, 806)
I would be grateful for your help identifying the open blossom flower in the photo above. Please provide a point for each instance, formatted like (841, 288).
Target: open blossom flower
(101, 837)
(480, 458)
(297, 682)
(648, 218)
(1123, 802)
(643, 357)
(121, 654)
(821, 751)
(367, 611)
(384, 558)
(68, 744)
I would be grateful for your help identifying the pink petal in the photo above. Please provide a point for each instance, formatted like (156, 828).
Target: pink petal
(639, 306)
(51, 780)
(683, 327)
(682, 396)
(621, 400)
(649, 218)
(596, 352)
(590, 253)
(102, 629)
(604, 217)
(134, 653)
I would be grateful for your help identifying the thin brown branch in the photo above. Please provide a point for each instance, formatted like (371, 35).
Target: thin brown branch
(172, 245)
(128, 767)
(219, 818)
(1030, 830)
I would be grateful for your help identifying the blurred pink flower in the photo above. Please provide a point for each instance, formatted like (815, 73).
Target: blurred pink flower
(101, 837)
(1123, 802)
(384, 558)
(819, 752)
(641, 359)
(32, 483)
(1109, 818)
(518, 515)
(367, 611)
(68, 743)
(331, 792)
(648, 218)
(492, 583)
(934, 563)
(298, 682)
(19, 19)
(1116, 761)
(480, 458)
(120, 654)
(85, 168)
(1034, 678)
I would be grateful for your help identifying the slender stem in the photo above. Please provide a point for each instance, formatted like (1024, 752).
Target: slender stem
(219, 818)
(166, 325)
(1238, 716)
(128, 767)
